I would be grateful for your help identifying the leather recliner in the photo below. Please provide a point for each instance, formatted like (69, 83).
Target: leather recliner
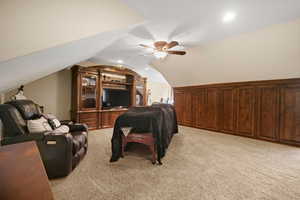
(60, 153)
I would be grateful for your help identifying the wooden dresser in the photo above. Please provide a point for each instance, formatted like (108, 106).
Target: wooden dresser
(22, 174)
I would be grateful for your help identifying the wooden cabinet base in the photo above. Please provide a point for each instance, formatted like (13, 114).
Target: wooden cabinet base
(267, 110)
(99, 119)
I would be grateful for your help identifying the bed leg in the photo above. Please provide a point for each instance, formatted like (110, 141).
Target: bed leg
(152, 149)
(123, 146)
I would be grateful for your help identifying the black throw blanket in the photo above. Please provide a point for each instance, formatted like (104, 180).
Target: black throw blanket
(158, 119)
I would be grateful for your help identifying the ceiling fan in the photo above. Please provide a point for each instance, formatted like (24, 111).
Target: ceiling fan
(163, 48)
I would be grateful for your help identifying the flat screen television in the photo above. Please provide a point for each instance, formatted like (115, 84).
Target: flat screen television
(112, 98)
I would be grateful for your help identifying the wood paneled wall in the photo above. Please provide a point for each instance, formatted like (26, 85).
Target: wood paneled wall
(268, 110)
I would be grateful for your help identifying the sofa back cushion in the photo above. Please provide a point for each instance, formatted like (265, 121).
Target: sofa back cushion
(39, 125)
(12, 121)
(28, 109)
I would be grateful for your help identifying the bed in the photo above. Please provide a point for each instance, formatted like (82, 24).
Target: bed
(159, 120)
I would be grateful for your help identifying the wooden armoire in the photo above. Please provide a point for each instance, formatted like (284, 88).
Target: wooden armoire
(89, 85)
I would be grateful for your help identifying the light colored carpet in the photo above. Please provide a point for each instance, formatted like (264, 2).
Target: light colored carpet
(198, 165)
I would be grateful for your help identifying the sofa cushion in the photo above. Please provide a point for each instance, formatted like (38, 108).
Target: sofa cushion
(13, 123)
(38, 125)
(28, 109)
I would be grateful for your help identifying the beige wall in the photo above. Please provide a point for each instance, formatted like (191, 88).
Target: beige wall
(158, 91)
(33, 25)
(53, 92)
(271, 53)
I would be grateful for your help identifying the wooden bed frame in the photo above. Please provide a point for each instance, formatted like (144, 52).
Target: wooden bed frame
(142, 138)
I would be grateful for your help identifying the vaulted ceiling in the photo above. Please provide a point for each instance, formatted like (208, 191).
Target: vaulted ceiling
(40, 38)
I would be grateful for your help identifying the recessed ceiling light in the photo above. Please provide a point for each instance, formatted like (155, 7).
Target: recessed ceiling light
(147, 68)
(120, 61)
(229, 17)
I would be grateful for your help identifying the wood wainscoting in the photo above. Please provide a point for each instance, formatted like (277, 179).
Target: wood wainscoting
(268, 110)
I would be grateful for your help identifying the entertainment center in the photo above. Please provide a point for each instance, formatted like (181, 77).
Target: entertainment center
(101, 93)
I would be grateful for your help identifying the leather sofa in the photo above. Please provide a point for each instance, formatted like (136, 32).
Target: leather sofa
(60, 153)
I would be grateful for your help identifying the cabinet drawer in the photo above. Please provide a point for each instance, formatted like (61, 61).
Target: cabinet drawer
(88, 120)
(88, 116)
(90, 124)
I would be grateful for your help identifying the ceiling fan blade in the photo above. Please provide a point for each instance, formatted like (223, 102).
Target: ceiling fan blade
(176, 52)
(160, 44)
(171, 44)
(146, 46)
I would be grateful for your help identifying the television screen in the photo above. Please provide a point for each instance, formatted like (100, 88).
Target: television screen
(115, 98)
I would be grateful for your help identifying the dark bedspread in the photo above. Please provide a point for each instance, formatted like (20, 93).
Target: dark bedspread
(158, 119)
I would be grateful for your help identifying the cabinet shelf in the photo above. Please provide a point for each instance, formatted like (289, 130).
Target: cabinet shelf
(117, 83)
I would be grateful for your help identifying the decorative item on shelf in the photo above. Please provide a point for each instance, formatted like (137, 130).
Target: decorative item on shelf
(92, 81)
(20, 94)
(84, 82)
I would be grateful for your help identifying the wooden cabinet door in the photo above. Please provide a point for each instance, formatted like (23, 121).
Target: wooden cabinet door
(105, 120)
(198, 107)
(179, 105)
(228, 109)
(114, 117)
(245, 111)
(109, 118)
(211, 108)
(187, 110)
(290, 114)
(267, 112)
(90, 119)
(89, 91)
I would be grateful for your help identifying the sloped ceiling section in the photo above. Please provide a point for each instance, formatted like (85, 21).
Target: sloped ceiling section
(195, 24)
(270, 53)
(40, 37)
(28, 68)
(33, 25)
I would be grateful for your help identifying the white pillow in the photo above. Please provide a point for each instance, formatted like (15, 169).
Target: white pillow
(56, 123)
(61, 130)
(53, 121)
(38, 125)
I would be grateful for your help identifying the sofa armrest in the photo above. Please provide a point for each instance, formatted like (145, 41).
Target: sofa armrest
(78, 127)
(57, 152)
(23, 138)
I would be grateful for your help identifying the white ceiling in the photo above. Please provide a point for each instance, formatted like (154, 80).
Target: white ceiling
(191, 22)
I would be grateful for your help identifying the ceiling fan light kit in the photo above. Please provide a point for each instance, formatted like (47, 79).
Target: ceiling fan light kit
(160, 54)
